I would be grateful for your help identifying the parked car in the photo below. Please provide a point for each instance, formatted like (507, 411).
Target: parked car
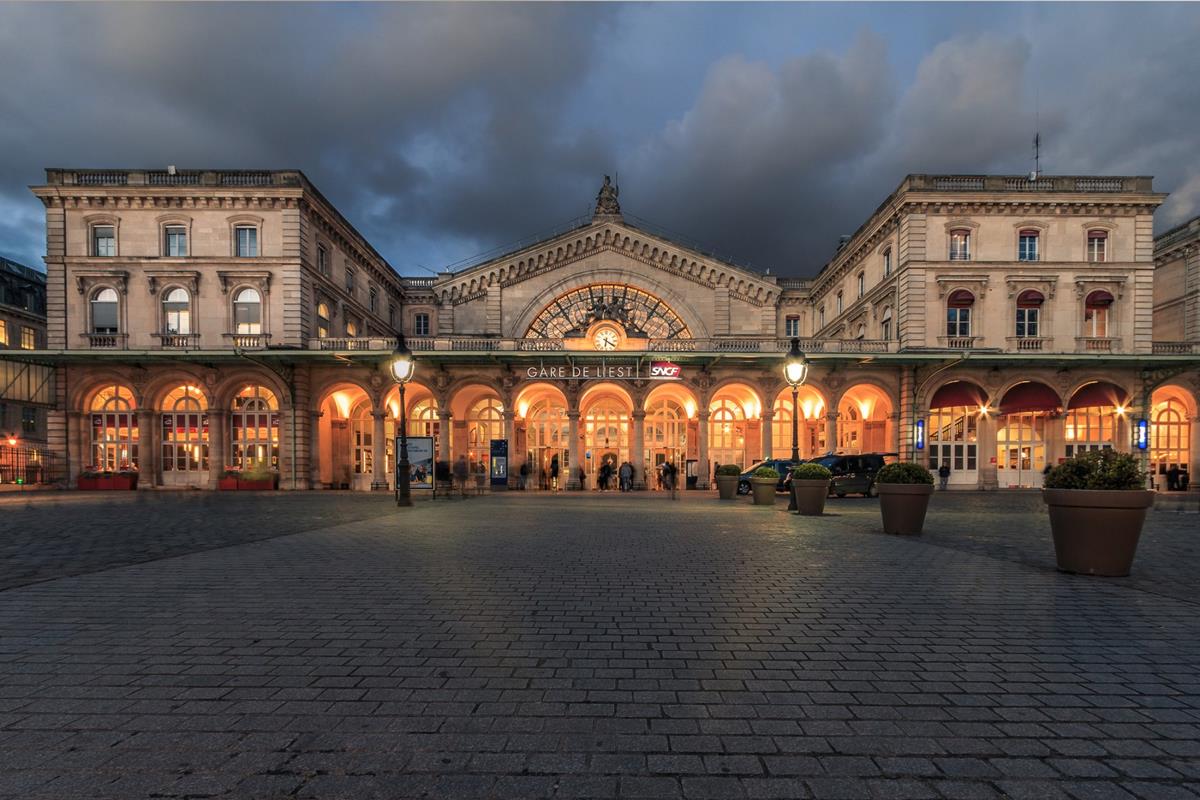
(781, 465)
(854, 473)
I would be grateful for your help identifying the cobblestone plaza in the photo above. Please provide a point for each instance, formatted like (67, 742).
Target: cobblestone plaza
(529, 646)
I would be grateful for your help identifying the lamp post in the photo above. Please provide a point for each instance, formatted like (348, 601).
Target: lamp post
(795, 371)
(402, 367)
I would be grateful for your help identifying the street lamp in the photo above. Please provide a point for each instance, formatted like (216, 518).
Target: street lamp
(795, 370)
(402, 366)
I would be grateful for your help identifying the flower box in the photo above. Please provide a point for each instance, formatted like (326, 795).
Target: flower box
(229, 484)
(256, 484)
(88, 483)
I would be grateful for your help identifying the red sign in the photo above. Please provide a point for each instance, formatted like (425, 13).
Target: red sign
(664, 370)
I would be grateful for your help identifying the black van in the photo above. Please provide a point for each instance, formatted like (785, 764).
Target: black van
(854, 473)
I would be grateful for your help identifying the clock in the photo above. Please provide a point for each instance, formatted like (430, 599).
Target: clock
(606, 339)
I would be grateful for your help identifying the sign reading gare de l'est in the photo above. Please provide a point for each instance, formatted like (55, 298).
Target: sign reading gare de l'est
(605, 370)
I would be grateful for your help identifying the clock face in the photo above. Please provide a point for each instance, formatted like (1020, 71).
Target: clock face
(606, 339)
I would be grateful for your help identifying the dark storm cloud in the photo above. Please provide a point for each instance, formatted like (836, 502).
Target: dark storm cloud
(445, 129)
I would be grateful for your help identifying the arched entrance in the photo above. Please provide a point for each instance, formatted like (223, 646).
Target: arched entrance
(671, 432)
(1023, 431)
(542, 435)
(952, 431)
(184, 420)
(478, 415)
(1095, 413)
(811, 429)
(604, 428)
(421, 416)
(1172, 410)
(254, 429)
(865, 421)
(346, 438)
(114, 429)
(733, 425)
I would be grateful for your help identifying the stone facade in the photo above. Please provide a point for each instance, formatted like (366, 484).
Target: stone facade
(992, 323)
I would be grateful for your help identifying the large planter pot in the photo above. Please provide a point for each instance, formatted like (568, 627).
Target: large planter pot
(727, 486)
(810, 496)
(903, 506)
(1096, 531)
(763, 490)
(227, 484)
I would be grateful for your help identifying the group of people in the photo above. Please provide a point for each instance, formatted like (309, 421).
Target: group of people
(623, 474)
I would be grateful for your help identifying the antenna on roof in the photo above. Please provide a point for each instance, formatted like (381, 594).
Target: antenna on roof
(427, 269)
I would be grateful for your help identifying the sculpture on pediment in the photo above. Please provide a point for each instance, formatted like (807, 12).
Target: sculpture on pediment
(606, 199)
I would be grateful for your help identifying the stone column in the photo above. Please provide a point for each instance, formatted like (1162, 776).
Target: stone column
(1194, 456)
(985, 452)
(572, 476)
(510, 435)
(149, 444)
(78, 456)
(1122, 434)
(705, 468)
(379, 453)
(831, 432)
(218, 444)
(314, 458)
(447, 419)
(638, 457)
(1056, 437)
(767, 418)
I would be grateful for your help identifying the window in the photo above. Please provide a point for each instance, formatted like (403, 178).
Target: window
(322, 260)
(114, 426)
(177, 313)
(247, 311)
(1027, 246)
(350, 280)
(821, 317)
(1029, 311)
(1097, 246)
(887, 262)
(104, 241)
(840, 303)
(862, 285)
(351, 328)
(322, 321)
(373, 300)
(791, 327)
(246, 241)
(254, 429)
(392, 317)
(104, 311)
(28, 420)
(4, 333)
(958, 313)
(861, 333)
(184, 431)
(28, 338)
(421, 324)
(885, 325)
(1095, 313)
(176, 245)
(960, 245)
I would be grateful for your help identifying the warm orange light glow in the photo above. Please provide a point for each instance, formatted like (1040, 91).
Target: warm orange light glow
(983, 410)
(342, 401)
(1121, 411)
(689, 405)
(12, 441)
(522, 408)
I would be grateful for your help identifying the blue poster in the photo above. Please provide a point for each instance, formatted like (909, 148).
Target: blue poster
(499, 459)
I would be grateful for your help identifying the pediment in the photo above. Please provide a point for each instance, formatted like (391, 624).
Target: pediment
(655, 252)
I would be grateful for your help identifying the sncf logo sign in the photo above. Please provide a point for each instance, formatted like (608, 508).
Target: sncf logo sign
(664, 370)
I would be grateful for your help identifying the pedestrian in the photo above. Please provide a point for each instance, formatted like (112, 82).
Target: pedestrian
(943, 476)
(554, 473)
(626, 476)
(716, 472)
(522, 475)
(669, 478)
(461, 471)
(1173, 478)
(582, 480)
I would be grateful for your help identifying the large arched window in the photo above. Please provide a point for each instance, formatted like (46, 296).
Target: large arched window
(423, 420)
(322, 320)
(958, 313)
(727, 432)
(1029, 312)
(639, 313)
(1170, 434)
(177, 311)
(666, 428)
(114, 429)
(1096, 310)
(247, 311)
(885, 324)
(184, 431)
(254, 429)
(485, 421)
(105, 311)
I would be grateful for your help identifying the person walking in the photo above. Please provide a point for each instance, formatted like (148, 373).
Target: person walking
(626, 476)
(554, 474)
(716, 471)
(522, 475)
(670, 478)
(461, 472)
(943, 476)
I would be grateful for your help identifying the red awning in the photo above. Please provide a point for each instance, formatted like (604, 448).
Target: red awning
(1099, 298)
(1099, 395)
(1030, 396)
(959, 393)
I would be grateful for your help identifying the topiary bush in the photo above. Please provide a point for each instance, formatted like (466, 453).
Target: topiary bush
(766, 472)
(904, 472)
(729, 469)
(811, 472)
(1097, 469)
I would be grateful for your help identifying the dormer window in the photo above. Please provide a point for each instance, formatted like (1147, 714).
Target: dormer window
(1097, 246)
(960, 245)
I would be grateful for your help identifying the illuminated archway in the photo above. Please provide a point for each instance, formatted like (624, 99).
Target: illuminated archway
(733, 425)
(114, 428)
(542, 434)
(184, 423)
(345, 437)
(810, 404)
(1094, 418)
(1022, 426)
(865, 421)
(1172, 410)
(952, 430)
(604, 427)
(670, 431)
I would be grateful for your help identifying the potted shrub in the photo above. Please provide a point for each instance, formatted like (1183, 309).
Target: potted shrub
(727, 480)
(89, 479)
(904, 491)
(258, 479)
(763, 484)
(810, 487)
(1097, 503)
(227, 479)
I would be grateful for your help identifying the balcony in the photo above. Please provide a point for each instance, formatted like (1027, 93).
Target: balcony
(1175, 348)
(178, 341)
(247, 341)
(1029, 344)
(360, 343)
(106, 341)
(1097, 344)
(489, 344)
(957, 342)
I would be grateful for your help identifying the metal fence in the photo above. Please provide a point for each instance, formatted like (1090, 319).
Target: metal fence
(29, 466)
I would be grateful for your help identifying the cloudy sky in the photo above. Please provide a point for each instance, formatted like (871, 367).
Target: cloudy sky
(444, 130)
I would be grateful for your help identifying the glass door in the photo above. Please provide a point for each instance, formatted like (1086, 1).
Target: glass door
(1021, 449)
